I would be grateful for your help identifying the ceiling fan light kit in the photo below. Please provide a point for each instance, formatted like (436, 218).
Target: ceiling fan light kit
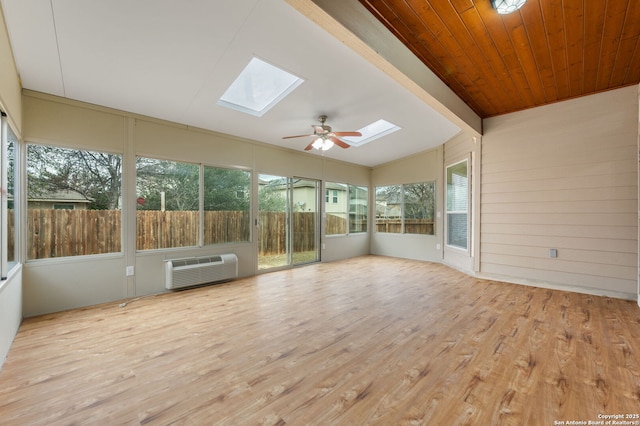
(504, 7)
(322, 144)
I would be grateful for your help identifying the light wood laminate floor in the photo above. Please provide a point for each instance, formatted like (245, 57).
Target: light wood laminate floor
(370, 340)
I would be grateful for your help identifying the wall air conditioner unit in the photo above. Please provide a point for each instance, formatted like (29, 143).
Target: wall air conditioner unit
(191, 271)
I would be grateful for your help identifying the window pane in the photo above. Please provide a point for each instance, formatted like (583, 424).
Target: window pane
(419, 205)
(226, 205)
(358, 208)
(457, 191)
(168, 204)
(457, 205)
(12, 143)
(389, 208)
(336, 208)
(457, 229)
(88, 183)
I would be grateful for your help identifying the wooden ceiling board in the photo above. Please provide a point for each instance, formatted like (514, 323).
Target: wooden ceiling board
(633, 73)
(522, 49)
(548, 51)
(552, 16)
(573, 32)
(499, 33)
(594, 16)
(629, 40)
(614, 17)
(536, 34)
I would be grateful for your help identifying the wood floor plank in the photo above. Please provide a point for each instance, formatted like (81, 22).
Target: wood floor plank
(370, 340)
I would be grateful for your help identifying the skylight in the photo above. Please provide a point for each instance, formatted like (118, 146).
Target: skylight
(258, 88)
(372, 132)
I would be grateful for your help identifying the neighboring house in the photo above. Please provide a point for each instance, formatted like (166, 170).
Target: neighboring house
(335, 195)
(389, 207)
(305, 198)
(67, 199)
(304, 193)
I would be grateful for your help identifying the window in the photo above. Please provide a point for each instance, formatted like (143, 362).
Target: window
(419, 207)
(336, 213)
(457, 205)
(168, 204)
(56, 176)
(358, 208)
(389, 208)
(407, 209)
(9, 144)
(348, 211)
(226, 205)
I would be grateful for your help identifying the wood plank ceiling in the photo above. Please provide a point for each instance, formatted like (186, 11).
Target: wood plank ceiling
(548, 51)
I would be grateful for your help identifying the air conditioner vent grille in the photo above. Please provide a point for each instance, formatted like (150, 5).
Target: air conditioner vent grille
(187, 272)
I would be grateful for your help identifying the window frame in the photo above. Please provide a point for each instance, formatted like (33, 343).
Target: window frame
(25, 163)
(333, 198)
(355, 215)
(402, 216)
(8, 260)
(246, 193)
(466, 212)
(329, 201)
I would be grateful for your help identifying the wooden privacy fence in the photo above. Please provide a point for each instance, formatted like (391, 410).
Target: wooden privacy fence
(156, 229)
(59, 233)
(335, 224)
(411, 226)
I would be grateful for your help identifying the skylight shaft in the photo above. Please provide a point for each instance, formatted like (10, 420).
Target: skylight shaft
(258, 88)
(372, 132)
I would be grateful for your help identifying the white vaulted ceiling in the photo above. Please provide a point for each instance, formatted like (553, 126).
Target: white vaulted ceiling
(173, 59)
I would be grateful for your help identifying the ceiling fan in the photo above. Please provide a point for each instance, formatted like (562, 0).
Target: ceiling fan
(323, 137)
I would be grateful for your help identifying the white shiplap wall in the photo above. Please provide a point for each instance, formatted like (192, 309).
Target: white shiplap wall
(563, 176)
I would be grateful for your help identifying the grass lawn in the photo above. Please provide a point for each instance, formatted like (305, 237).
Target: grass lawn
(274, 260)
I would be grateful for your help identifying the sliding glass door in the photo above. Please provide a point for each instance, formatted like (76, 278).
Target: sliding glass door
(288, 225)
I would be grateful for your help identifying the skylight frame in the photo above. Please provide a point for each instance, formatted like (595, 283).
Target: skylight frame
(370, 133)
(269, 85)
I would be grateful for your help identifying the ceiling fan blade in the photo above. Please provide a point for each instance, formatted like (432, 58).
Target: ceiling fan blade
(297, 136)
(309, 146)
(347, 133)
(338, 142)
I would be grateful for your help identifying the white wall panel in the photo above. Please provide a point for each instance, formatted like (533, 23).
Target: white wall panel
(61, 284)
(10, 89)
(55, 120)
(10, 311)
(563, 176)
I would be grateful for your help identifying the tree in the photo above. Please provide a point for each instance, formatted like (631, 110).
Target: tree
(271, 196)
(179, 182)
(226, 189)
(419, 200)
(95, 175)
